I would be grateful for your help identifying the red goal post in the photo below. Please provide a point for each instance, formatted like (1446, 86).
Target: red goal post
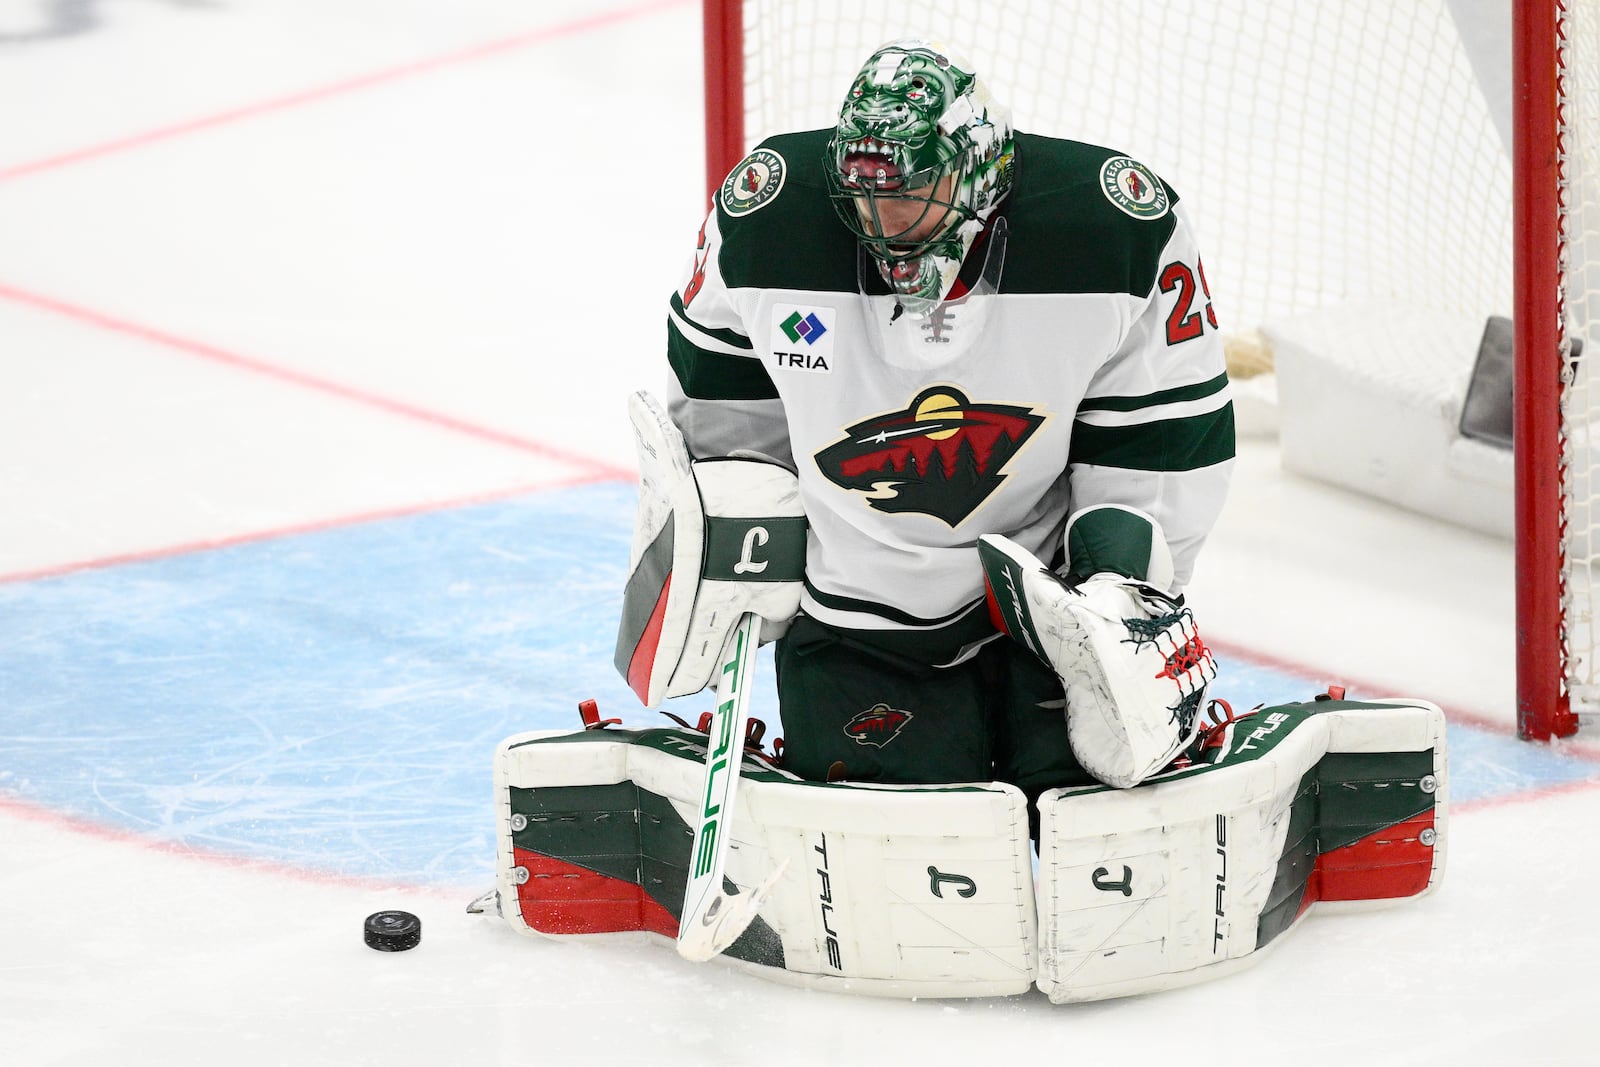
(1554, 605)
(1365, 154)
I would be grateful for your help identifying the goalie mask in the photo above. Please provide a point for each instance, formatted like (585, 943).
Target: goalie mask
(919, 159)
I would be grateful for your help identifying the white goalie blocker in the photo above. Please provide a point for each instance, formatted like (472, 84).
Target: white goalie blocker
(712, 539)
(893, 890)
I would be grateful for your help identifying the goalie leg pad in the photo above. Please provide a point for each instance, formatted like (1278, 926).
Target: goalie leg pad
(915, 891)
(1191, 875)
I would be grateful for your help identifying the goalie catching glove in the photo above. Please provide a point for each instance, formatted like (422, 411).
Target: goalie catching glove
(1128, 654)
(712, 539)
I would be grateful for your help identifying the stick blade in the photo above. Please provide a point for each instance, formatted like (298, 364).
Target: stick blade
(724, 919)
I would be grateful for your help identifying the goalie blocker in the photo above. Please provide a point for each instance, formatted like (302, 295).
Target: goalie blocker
(928, 890)
(712, 539)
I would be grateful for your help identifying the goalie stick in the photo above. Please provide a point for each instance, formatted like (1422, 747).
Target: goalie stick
(712, 918)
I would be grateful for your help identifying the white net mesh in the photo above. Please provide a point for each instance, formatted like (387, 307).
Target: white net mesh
(1331, 152)
(1580, 171)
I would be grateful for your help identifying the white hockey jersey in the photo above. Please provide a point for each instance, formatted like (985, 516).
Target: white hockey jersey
(1084, 367)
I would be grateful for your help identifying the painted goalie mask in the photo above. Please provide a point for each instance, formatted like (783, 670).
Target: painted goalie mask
(919, 159)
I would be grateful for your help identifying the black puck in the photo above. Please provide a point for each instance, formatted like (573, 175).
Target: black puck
(393, 931)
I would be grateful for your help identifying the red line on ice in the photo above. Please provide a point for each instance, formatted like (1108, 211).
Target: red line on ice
(167, 551)
(1370, 690)
(1522, 796)
(29, 812)
(489, 49)
(214, 354)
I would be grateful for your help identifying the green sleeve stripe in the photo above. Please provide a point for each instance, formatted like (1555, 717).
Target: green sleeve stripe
(1175, 395)
(707, 375)
(731, 338)
(1168, 445)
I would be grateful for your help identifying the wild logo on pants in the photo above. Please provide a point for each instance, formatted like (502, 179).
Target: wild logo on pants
(877, 726)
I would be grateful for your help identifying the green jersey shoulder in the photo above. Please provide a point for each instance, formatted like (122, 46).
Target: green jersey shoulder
(778, 226)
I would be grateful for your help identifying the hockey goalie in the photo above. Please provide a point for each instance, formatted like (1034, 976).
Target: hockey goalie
(948, 423)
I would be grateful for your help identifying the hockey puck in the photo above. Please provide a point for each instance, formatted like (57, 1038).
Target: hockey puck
(393, 931)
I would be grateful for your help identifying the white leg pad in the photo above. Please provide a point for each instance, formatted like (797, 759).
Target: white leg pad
(916, 891)
(1189, 876)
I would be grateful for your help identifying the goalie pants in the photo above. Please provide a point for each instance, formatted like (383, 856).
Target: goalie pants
(868, 702)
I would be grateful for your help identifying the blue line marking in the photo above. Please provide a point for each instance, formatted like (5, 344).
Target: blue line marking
(333, 700)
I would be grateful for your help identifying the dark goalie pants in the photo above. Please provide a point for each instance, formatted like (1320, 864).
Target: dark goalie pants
(869, 701)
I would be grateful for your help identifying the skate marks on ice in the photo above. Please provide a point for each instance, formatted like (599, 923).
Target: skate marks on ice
(331, 700)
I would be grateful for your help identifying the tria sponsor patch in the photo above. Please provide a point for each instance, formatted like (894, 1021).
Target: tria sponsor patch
(802, 338)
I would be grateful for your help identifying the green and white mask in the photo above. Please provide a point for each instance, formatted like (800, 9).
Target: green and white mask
(919, 130)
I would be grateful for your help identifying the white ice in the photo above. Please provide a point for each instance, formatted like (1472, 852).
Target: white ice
(267, 265)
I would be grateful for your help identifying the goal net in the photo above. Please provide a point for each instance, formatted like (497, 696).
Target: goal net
(1349, 170)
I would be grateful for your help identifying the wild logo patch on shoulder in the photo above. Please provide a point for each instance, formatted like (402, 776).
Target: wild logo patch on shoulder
(1134, 188)
(754, 182)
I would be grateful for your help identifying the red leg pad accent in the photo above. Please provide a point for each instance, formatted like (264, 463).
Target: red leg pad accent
(563, 898)
(1389, 863)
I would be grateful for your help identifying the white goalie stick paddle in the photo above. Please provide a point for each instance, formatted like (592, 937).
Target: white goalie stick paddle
(713, 919)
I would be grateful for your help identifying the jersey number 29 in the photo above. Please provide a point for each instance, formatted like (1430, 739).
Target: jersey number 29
(1182, 324)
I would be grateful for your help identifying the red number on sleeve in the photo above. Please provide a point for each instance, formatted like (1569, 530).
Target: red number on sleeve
(1182, 325)
(698, 278)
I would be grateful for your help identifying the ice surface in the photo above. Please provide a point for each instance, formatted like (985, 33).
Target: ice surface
(315, 324)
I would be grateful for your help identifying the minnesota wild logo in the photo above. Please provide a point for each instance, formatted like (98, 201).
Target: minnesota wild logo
(1133, 187)
(942, 455)
(754, 182)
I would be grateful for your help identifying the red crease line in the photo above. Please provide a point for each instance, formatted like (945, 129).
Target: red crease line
(26, 811)
(169, 551)
(1477, 720)
(212, 353)
(1523, 796)
(470, 54)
